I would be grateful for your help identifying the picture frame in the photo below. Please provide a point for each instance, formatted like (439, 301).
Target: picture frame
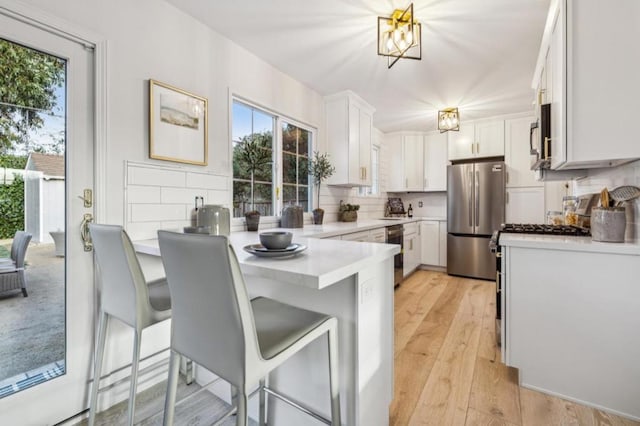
(178, 125)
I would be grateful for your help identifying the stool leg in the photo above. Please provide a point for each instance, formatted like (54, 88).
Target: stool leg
(103, 320)
(172, 388)
(263, 411)
(334, 382)
(134, 375)
(242, 419)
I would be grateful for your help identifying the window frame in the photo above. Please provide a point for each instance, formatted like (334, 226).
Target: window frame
(277, 145)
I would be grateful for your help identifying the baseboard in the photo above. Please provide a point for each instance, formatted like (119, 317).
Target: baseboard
(433, 268)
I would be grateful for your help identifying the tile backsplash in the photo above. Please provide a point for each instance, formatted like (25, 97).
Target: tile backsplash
(162, 197)
(610, 178)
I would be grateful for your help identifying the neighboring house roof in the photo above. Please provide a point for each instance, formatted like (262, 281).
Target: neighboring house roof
(50, 165)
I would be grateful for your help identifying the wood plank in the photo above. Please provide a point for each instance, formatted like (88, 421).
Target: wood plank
(445, 397)
(488, 348)
(538, 408)
(414, 310)
(412, 286)
(495, 391)
(476, 418)
(413, 365)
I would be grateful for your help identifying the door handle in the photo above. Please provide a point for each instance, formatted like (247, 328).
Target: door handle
(477, 198)
(470, 179)
(84, 231)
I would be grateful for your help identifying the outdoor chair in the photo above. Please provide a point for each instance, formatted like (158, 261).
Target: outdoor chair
(12, 276)
(240, 340)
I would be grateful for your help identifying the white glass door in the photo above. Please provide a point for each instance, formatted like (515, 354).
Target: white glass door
(54, 178)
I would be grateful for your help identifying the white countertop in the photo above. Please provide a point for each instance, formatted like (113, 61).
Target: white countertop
(333, 229)
(558, 242)
(324, 263)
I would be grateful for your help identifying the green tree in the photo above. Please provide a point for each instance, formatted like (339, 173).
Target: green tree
(252, 160)
(28, 80)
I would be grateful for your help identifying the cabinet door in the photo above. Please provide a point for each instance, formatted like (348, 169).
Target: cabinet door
(489, 137)
(525, 205)
(365, 147)
(411, 259)
(517, 156)
(557, 64)
(413, 153)
(396, 163)
(435, 162)
(430, 239)
(443, 243)
(355, 172)
(461, 143)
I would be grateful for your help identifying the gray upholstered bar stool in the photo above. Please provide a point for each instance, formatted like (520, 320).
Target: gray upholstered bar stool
(217, 326)
(127, 296)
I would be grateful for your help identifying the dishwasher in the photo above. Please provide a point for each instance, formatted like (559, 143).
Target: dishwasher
(395, 236)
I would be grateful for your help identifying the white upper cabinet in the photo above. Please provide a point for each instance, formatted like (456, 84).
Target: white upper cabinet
(349, 132)
(592, 81)
(517, 153)
(413, 153)
(435, 161)
(418, 161)
(477, 140)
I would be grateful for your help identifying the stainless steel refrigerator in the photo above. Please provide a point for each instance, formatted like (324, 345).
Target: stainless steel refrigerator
(475, 208)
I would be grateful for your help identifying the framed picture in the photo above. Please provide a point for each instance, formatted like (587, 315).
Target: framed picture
(178, 125)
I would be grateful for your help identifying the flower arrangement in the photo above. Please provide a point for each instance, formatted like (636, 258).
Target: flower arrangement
(348, 212)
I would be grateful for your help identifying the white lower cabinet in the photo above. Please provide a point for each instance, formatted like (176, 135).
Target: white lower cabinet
(411, 248)
(362, 236)
(433, 235)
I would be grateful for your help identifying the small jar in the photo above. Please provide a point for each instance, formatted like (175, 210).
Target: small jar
(569, 206)
(555, 218)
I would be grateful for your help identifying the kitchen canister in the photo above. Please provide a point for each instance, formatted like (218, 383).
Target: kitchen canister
(291, 216)
(216, 217)
(608, 224)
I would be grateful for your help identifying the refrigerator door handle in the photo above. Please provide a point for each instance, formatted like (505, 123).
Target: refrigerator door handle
(470, 198)
(477, 195)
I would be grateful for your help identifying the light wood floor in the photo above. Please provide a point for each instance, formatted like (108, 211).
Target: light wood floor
(448, 369)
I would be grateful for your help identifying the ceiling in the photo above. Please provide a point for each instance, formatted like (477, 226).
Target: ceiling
(478, 55)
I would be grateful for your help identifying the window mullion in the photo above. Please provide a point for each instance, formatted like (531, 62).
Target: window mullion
(277, 146)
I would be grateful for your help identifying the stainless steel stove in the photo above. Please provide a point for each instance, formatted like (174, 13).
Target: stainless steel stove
(527, 228)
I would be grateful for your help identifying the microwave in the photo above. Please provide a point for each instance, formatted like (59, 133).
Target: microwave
(540, 136)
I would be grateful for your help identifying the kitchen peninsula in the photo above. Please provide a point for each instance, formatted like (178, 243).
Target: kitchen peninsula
(352, 281)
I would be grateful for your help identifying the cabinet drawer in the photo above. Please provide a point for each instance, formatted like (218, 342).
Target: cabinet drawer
(410, 228)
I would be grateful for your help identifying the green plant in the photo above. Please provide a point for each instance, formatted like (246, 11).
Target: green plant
(253, 154)
(348, 207)
(12, 207)
(320, 168)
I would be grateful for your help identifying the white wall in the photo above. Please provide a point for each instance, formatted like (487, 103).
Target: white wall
(153, 40)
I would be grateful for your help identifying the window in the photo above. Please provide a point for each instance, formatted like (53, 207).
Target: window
(374, 189)
(295, 165)
(277, 151)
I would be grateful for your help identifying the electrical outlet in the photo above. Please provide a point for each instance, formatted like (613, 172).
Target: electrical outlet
(420, 204)
(366, 291)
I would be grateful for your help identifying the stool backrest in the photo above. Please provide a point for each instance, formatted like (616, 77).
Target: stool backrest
(124, 289)
(212, 321)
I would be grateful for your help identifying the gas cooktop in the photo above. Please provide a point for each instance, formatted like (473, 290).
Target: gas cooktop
(523, 228)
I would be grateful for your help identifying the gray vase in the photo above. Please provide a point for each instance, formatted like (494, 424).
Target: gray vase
(318, 215)
(253, 220)
(608, 224)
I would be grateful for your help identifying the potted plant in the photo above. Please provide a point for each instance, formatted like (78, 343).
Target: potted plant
(253, 155)
(348, 212)
(320, 169)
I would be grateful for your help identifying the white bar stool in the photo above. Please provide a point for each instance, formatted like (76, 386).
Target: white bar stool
(127, 296)
(216, 325)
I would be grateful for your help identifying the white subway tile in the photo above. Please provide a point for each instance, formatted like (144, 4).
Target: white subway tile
(137, 175)
(142, 230)
(218, 197)
(158, 212)
(207, 181)
(181, 195)
(137, 194)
